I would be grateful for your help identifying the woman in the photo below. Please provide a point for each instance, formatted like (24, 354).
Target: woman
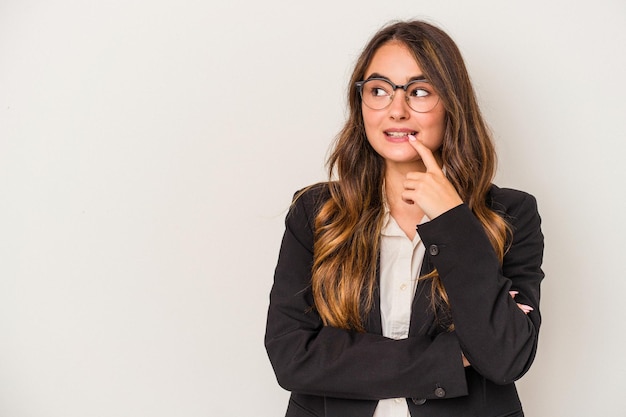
(393, 293)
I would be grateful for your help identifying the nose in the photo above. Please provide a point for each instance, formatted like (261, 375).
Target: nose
(399, 107)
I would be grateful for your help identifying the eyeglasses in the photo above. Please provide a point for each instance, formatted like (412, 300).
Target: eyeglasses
(377, 93)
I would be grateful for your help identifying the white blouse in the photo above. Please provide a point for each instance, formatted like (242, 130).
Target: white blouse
(400, 264)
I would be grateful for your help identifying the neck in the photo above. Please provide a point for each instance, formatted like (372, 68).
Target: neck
(396, 172)
(400, 210)
(407, 215)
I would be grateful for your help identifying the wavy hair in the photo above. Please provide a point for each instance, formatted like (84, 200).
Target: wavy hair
(348, 225)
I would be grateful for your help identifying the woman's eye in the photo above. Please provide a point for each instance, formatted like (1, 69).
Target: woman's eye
(419, 92)
(379, 92)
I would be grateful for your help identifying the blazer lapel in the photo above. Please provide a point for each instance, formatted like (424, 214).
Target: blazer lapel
(422, 315)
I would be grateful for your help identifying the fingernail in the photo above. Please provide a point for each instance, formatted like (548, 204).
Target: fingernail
(412, 138)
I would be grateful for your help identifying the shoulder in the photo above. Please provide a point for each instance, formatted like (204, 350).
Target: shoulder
(313, 195)
(311, 198)
(518, 209)
(307, 203)
(508, 202)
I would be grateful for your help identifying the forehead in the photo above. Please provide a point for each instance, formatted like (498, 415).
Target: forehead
(394, 60)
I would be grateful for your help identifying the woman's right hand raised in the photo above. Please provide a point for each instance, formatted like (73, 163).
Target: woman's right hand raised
(431, 190)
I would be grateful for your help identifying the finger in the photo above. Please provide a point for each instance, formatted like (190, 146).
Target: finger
(465, 361)
(406, 197)
(525, 308)
(513, 293)
(426, 154)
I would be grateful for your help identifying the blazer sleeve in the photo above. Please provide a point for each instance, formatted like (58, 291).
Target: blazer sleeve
(310, 358)
(497, 338)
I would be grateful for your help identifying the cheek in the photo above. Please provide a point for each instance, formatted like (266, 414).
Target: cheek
(371, 117)
(370, 121)
(435, 128)
(436, 118)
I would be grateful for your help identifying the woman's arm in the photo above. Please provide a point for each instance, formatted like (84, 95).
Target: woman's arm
(496, 336)
(310, 358)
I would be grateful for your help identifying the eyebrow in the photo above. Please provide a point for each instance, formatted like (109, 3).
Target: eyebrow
(415, 78)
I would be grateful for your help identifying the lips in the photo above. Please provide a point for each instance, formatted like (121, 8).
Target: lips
(400, 134)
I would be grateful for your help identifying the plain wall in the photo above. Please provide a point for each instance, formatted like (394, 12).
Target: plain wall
(149, 151)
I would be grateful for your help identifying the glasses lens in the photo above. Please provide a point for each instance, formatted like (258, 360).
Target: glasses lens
(376, 94)
(421, 97)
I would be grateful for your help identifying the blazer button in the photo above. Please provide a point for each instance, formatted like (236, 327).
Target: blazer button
(440, 393)
(418, 401)
(433, 250)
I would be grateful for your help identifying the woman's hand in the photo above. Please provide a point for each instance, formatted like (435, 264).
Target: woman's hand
(431, 190)
(525, 308)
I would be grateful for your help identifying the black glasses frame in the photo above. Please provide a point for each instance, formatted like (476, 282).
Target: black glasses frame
(404, 87)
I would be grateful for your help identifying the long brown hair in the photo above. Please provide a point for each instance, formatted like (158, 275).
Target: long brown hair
(348, 225)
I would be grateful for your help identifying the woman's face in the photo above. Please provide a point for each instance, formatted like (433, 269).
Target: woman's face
(387, 130)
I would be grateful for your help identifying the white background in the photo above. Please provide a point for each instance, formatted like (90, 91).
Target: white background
(149, 151)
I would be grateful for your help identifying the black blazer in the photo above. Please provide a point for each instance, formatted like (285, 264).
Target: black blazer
(338, 373)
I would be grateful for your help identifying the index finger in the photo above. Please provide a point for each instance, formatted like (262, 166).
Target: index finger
(425, 153)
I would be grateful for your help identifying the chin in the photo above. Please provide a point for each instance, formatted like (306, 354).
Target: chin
(402, 159)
